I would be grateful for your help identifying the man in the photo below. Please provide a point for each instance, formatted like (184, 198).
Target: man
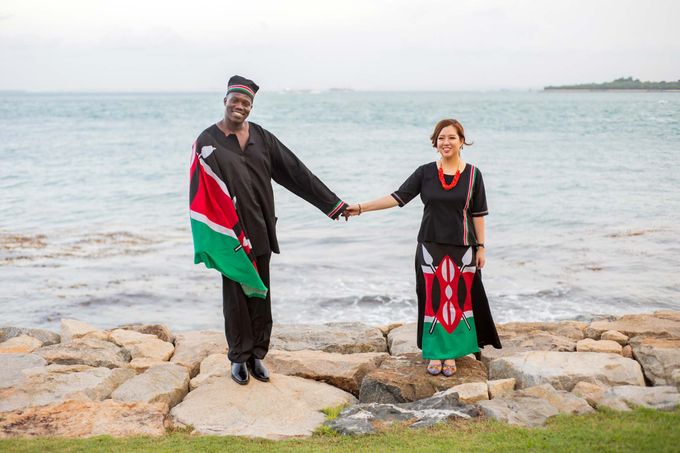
(234, 224)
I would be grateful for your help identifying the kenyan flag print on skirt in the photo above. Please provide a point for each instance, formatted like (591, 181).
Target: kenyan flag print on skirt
(445, 285)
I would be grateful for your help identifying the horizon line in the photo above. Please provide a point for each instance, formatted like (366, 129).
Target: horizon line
(285, 90)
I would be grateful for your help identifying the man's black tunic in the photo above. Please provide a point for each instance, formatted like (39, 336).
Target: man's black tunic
(248, 175)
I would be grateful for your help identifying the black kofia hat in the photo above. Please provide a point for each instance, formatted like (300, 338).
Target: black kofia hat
(238, 84)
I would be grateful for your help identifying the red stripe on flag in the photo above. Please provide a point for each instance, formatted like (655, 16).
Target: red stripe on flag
(429, 280)
(212, 202)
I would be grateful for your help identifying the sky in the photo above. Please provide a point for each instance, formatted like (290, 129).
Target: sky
(150, 45)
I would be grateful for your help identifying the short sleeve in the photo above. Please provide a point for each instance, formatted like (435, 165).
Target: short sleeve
(478, 207)
(410, 188)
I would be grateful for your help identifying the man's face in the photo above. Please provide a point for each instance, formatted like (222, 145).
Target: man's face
(238, 107)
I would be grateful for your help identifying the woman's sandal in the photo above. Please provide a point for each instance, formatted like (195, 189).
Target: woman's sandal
(434, 368)
(448, 369)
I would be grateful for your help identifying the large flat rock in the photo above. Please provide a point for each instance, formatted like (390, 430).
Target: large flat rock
(212, 366)
(167, 383)
(161, 331)
(23, 344)
(673, 315)
(402, 379)
(525, 342)
(46, 337)
(594, 395)
(142, 345)
(606, 346)
(58, 383)
(191, 347)
(564, 402)
(563, 370)
(500, 387)
(12, 366)
(287, 406)
(345, 371)
(142, 364)
(569, 329)
(613, 335)
(85, 419)
(534, 405)
(365, 417)
(626, 397)
(340, 337)
(660, 323)
(86, 351)
(522, 410)
(402, 340)
(659, 357)
(72, 329)
(664, 397)
(470, 392)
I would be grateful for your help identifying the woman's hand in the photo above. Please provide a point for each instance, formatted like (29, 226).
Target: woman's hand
(385, 202)
(480, 260)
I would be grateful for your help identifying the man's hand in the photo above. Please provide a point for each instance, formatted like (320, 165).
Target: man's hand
(351, 210)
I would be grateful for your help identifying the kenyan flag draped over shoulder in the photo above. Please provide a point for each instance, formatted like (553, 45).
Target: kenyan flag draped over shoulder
(219, 240)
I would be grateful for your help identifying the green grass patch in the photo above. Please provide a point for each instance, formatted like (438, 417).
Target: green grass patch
(333, 412)
(640, 430)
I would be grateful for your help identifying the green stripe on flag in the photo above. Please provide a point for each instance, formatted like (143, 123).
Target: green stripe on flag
(216, 251)
(441, 345)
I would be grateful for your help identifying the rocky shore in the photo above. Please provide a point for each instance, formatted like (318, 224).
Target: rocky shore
(144, 379)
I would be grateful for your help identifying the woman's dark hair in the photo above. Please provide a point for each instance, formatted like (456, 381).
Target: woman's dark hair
(445, 123)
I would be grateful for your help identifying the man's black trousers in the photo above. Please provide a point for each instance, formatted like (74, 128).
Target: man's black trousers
(247, 320)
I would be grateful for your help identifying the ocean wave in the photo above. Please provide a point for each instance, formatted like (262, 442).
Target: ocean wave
(635, 232)
(367, 301)
(14, 241)
(369, 309)
(18, 248)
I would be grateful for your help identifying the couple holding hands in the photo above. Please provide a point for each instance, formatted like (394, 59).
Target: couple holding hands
(234, 231)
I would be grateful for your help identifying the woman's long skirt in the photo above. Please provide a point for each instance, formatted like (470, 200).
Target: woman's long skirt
(454, 318)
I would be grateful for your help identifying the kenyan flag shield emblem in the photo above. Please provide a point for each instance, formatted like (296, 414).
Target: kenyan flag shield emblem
(449, 329)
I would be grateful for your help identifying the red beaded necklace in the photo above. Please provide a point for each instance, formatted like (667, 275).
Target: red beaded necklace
(443, 181)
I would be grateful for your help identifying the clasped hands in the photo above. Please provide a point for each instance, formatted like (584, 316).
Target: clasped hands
(351, 210)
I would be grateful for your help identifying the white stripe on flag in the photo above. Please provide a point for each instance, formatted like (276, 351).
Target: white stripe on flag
(206, 151)
(212, 174)
(212, 225)
(430, 319)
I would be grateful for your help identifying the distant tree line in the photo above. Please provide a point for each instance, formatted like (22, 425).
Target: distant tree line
(623, 83)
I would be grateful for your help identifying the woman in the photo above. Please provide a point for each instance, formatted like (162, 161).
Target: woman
(453, 312)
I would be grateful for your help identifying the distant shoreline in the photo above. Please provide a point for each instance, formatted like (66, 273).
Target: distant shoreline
(616, 90)
(620, 84)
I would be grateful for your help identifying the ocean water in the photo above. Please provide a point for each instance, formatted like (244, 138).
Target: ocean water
(583, 192)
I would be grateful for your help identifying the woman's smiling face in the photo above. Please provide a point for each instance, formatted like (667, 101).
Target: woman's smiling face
(448, 142)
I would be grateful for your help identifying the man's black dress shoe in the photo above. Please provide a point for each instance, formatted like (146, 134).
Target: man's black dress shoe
(258, 370)
(239, 373)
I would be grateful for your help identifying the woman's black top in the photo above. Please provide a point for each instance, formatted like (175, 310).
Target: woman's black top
(447, 216)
